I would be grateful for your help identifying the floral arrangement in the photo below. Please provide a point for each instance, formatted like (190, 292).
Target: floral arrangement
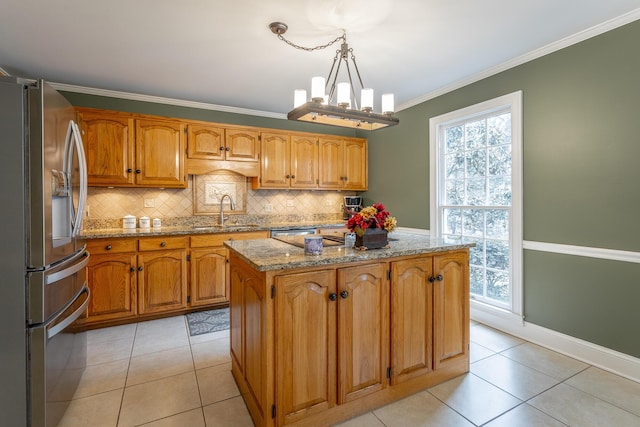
(375, 216)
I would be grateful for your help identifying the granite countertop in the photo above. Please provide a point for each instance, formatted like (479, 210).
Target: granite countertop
(206, 229)
(272, 254)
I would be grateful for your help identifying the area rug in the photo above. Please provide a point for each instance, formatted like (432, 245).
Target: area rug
(204, 322)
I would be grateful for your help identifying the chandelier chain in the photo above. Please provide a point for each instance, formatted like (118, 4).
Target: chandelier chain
(311, 49)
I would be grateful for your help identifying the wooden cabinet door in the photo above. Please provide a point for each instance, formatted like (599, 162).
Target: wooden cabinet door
(355, 164)
(450, 307)
(236, 318)
(330, 162)
(411, 318)
(274, 161)
(160, 151)
(162, 281)
(205, 142)
(208, 276)
(108, 140)
(363, 330)
(242, 145)
(112, 281)
(304, 161)
(305, 352)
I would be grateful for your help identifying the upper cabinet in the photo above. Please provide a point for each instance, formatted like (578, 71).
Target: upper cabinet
(342, 163)
(125, 151)
(211, 142)
(288, 161)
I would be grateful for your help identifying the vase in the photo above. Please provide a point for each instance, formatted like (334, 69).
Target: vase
(373, 238)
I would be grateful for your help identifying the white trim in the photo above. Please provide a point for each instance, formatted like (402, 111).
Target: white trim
(513, 103)
(162, 100)
(537, 53)
(602, 357)
(601, 253)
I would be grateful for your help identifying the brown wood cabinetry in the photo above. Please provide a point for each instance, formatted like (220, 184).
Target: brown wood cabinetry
(313, 346)
(288, 161)
(342, 163)
(124, 150)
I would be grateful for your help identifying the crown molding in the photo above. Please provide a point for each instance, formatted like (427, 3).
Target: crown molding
(537, 53)
(162, 100)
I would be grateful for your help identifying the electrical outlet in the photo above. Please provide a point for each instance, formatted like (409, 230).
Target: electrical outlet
(268, 207)
(149, 203)
(290, 203)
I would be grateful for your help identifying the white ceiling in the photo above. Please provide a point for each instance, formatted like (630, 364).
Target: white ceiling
(223, 53)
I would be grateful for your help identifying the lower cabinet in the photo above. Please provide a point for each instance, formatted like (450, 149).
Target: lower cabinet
(113, 283)
(315, 346)
(208, 274)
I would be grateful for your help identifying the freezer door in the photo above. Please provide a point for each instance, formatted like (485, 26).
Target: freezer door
(56, 179)
(57, 359)
(51, 290)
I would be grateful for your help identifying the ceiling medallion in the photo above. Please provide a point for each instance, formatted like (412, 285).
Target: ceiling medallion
(344, 110)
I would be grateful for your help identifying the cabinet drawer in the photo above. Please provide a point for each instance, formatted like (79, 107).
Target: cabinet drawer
(159, 243)
(218, 239)
(108, 246)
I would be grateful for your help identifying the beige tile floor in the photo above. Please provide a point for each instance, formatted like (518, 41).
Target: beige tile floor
(154, 374)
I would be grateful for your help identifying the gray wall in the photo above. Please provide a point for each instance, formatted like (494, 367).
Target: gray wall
(581, 124)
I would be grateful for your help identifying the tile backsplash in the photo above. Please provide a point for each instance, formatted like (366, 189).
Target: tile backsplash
(114, 203)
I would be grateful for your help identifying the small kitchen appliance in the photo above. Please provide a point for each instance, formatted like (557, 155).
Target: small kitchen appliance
(352, 205)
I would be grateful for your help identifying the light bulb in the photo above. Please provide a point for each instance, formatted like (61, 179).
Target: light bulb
(299, 97)
(366, 99)
(387, 104)
(317, 89)
(343, 94)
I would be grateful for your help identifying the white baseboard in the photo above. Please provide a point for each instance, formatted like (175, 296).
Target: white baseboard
(601, 357)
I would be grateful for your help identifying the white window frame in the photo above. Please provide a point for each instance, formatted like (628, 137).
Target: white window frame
(513, 103)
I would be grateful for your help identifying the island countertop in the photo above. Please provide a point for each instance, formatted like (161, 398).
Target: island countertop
(272, 254)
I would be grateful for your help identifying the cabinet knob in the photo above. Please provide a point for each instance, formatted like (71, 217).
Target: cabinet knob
(287, 176)
(163, 244)
(129, 170)
(132, 269)
(333, 296)
(140, 268)
(138, 171)
(108, 247)
(432, 279)
(221, 148)
(227, 149)
(293, 177)
(439, 278)
(344, 294)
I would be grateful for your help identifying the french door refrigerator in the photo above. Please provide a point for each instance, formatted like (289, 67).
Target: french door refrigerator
(43, 286)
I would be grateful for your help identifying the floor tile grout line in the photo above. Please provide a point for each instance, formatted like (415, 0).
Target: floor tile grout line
(126, 377)
(598, 397)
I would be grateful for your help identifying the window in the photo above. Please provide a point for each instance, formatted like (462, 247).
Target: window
(476, 193)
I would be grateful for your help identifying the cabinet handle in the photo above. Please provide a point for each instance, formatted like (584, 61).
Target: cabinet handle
(129, 170)
(432, 279)
(132, 269)
(439, 278)
(287, 176)
(293, 177)
(221, 148)
(227, 149)
(344, 294)
(108, 247)
(138, 171)
(140, 268)
(163, 244)
(333, 296)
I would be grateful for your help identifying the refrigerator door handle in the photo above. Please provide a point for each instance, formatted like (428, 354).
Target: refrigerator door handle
(55, 330)
(59, 275)
(82, 169)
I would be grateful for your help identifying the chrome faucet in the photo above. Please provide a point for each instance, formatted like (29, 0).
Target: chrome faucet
(233, 207)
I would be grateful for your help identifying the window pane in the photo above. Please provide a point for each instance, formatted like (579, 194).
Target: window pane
(499, 129)
(454, 192)
(500, 160)
(498, 285)
(476, 194)
(499, 191)
(476, 281)
(497, 223)
(452, 222)
(476, 163)
(473, 222)
(477, 254)
(454, 165)
(476, 134)
(498, 255)
(453, 139)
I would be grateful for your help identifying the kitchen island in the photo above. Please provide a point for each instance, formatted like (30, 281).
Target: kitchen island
(316, 339)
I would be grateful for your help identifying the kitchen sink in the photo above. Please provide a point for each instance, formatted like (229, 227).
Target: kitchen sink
(226, 226)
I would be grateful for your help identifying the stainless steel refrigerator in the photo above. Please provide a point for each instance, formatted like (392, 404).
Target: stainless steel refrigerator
(43, 286)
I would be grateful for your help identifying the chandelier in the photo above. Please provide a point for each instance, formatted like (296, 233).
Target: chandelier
(333, 102)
